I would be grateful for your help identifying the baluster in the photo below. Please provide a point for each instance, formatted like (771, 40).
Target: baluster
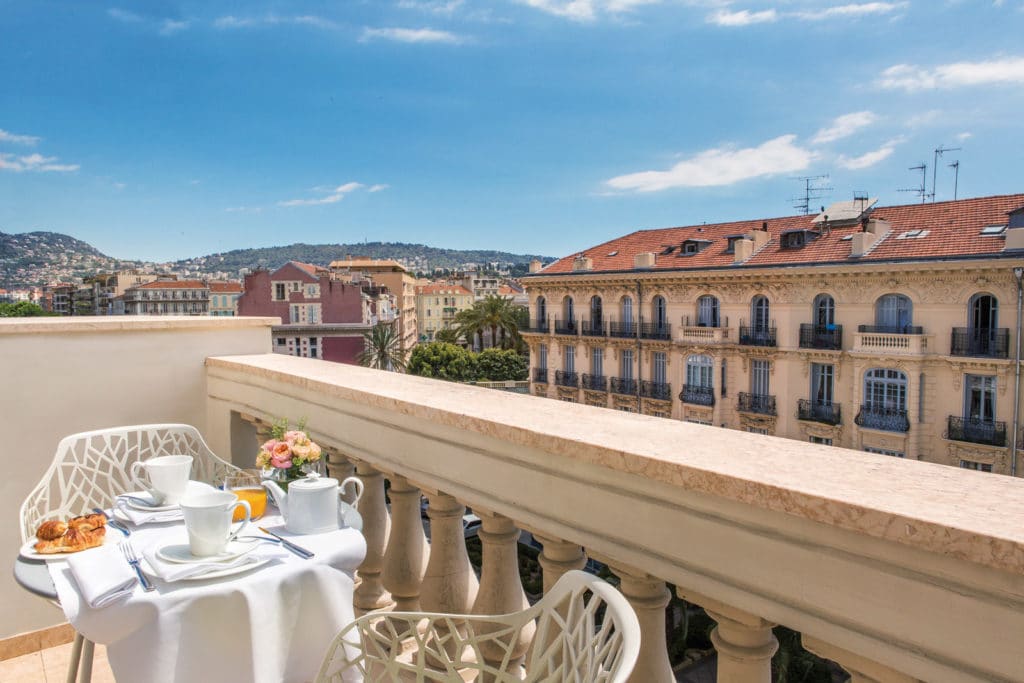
(338, 466)
(744, 642)
(370, 593)
(861, 669)
(649, 597)
(405, 558)
(501, 590)
(556, 558)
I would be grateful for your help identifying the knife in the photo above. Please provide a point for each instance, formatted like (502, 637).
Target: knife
(297, 549)
(113, 522)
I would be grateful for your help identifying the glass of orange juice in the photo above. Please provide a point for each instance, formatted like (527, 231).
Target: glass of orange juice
(246, 485)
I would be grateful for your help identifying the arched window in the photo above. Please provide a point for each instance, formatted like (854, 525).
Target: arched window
(699, 371)
(824, 311)
(542, 311)
(885, 400)
(659, 312)
(983, 312)
(627, 313)
(983, 338)
(707, 311)
(759, 313)
(595, 312)
(894, 313)
(568, 312)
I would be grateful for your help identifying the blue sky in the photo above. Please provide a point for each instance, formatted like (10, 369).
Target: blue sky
(172, 129)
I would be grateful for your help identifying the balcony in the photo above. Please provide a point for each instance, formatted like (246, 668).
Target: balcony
(890, 343)
(660, 391)
(883, 418)
(973, 430)
(622, 329)
(891, 329)
(757, 336)
(700, 334)
(568, 327)
(564, 378)
(697, 395)
(621, 385)
(540, 375)
(821, 337)
(594, 382)
(761, 404)
(593, 329)
(655, 331)
(819, 411)
(659, 502)
(538, 326)
(980, 342)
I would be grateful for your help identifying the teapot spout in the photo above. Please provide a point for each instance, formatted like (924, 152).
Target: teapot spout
(279, 496)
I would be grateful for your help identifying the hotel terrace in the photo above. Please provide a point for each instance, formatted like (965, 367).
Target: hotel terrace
(893, 330)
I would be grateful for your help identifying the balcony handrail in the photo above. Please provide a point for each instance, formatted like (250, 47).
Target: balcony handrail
(757, 336)
(980, 341)
(566, 326)
(891, 329)
(976, 430)
(825, 412)
(814, 336)
(565, 378)
(540, 375)
(885, 418)
(622, 385)
(655, 331)
(661, 391)
(763, 404)
(594, 382)
(696, 394)
(622, 328)
(593, 328)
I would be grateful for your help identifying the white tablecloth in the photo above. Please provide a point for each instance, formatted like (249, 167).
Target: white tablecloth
(269, 625)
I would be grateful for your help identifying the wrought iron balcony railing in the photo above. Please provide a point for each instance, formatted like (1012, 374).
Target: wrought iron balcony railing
(661, 391)
(697, 395)
(762, 404)
(593, 328)
(980, 341)
(622, 329)
(595, 382)
(821, 336)
(656, 331)
(975, 430)
(891, 329)
(621, 385)
(540, 375)
(883, 418)
(540, 326)
(757, 336)
(565, 326)
(564, 378)
(819, 411)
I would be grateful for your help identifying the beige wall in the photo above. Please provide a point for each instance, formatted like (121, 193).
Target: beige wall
(68, 375)
(940, 294)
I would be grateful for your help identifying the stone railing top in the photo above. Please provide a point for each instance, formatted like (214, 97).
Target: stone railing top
(970, 516)
(127, 323)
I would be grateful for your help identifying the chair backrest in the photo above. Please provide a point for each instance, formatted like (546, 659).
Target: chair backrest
(91, 468)
(586, 633)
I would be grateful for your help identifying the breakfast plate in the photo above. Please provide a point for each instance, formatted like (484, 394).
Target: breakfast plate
(144, 496)
(179, 553)
(216, 573)
(28, 550)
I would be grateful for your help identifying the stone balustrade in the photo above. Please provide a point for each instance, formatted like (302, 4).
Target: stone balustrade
(897, 570)
(694, 334)
(899, 344)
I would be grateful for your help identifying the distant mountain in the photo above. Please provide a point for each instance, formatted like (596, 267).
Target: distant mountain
(37, 258)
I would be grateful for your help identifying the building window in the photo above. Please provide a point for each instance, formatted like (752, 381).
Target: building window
(312, 347)
(296, 314)
(568, 311)
(885, 389)
(569, 356)
(312, 317)
(659, 370)
(542, 356)
(542, 311)
(883, 451)
(822, 383)
(759, 312)
(697, 421)
(824, 311)
(758, 430)
(279, 292)
(595, 313)
(821, 440)
(979, 466)
(660, 313)
(722, 385)
(626, 366)
(980, 399)
(707, 311)
(281, 341)
(627, 313)
(983, 313)
(894, 313)
(699, 371)
(759, 373)
(597, 362)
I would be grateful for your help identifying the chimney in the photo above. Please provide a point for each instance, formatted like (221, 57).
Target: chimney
(877, 226)
(759, 237)
(743, 248)
(535, 265)
(862, 242)
(644, 260)
(581, 262)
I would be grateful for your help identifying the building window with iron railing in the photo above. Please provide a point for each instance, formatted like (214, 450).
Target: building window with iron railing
(698, 389)
(707, 311)
(894, 314)
(885, 401)
(977, 466)
(978, 423)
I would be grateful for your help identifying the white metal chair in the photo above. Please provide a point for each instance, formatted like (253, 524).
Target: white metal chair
(90, 469)
(586, 633)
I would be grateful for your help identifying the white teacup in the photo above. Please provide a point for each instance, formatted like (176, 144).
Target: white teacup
(208, 521)
(168, 477)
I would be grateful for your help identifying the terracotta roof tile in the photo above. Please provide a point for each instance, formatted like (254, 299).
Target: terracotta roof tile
(443, 289)
(173, 284)
(359, 262)
(308, 267)
(225, 287)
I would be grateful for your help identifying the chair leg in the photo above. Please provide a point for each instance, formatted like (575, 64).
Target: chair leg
(85, 675)
(76, 656)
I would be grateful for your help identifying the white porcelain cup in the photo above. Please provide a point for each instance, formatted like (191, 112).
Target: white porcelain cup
(208, 521)
(168, 476)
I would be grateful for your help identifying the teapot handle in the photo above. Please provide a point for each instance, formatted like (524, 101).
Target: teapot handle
(359, 488)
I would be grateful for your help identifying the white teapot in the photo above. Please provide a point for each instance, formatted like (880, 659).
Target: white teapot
(312, 505)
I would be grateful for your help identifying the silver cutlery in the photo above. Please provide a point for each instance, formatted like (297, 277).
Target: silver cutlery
(111, 522)
(140, 501)
(297, 549)
(133, 559)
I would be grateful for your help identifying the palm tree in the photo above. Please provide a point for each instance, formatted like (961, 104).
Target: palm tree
(382, 349)
(494, 313)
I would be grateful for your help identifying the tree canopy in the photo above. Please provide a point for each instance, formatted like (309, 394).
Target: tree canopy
(443, 361)
(22, 309)
(499, 365)
(383, 349)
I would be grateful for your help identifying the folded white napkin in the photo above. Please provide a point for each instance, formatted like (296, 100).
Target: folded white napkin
(139, 517)
(178, 571)
(103, 575)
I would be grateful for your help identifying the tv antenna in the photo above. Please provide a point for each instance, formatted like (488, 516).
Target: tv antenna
(813, 191)
(921, 191)
(956, 176)
(935, 164)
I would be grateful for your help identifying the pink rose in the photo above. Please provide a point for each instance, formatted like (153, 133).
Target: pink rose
(269, 446)
(300, 452)
(281, 463)
(295, 436)
(281, 449)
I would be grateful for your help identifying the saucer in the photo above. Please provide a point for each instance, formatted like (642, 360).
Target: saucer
(144, 495)
(179, 553)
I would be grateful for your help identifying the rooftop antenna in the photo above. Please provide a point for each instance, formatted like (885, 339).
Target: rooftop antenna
(935, 164)
(956, 176)
(813, 191)
(921, 191)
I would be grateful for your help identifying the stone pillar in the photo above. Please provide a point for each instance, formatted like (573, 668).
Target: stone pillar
(557, 557)
(501, 590)
(370, 593)
(745, 642)
(340, 467)
(405, 558)
(648, 597)
(861, 669)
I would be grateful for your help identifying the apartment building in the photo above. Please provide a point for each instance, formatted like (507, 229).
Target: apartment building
(224, 298)
(59, 298)
(392, 275)
(167, 297)
(437, 304)
(322, 315)
(481, 285)
(893, 330)
(103, 293)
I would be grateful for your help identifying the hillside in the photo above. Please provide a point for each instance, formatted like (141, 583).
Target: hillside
(35, 258)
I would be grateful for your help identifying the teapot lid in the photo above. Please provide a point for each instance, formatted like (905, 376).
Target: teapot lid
(313, 482)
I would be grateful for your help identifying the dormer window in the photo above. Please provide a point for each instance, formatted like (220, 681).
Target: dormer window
(691, 247)
(795, 239)
(731, 245)
(993, 230)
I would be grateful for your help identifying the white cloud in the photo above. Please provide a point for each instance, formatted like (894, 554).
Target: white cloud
(14, 139)
(912, 78)
(411, 35)
(34, 162)
(851, 10)
(586, 10)
(844, 126)
(233, 22)
(378, 187)
(742, 17)
(170, 26)
(333, 197)
(445, 7)
(124, 15)
(721, 166)
(869, 159)
(244, 209)
(964, 136)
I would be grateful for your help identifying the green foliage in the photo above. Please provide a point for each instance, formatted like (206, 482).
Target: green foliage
(382, 349)
(495, 314)
(793, 664)
(450, 335)
(22, 309)
(443, 361)
(498, 365)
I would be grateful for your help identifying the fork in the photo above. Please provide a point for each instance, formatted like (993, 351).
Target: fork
(133, 559)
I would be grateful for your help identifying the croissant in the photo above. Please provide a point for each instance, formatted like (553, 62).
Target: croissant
(51, 529)
(73, 541)
(87, 522)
